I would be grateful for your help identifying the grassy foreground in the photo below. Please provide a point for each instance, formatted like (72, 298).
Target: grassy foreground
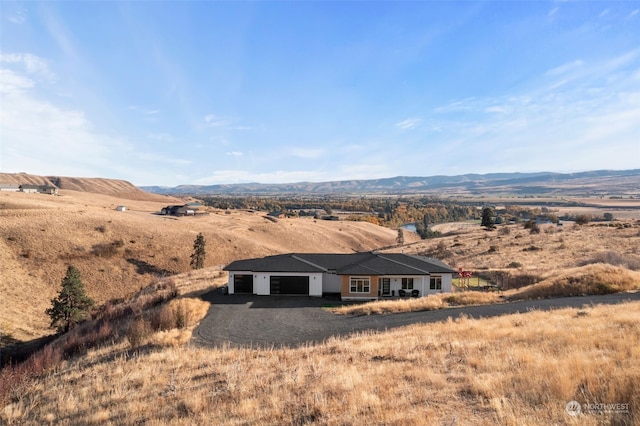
(518, 369)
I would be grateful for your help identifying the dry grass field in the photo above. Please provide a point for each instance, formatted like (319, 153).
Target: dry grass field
(142, 367)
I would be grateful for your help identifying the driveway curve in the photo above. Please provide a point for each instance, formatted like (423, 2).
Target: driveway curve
(291, 321)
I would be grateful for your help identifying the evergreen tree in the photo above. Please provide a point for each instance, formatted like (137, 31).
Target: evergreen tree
(72, 304)
(487, 218)
(400, 237)
(199, 252)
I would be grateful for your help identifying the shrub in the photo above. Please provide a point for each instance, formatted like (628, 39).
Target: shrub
(162, 319)
(138, 332)
(514, 265)
(583, 219)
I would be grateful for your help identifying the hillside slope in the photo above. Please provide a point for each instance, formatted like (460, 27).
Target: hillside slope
(117, 253)
(115, 187)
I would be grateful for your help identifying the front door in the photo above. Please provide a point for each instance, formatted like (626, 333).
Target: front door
(386, 286)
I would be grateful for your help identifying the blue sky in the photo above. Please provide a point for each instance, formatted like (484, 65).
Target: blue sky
(169, 93)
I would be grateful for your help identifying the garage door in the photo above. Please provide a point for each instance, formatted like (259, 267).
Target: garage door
(243, 284)
(289, 285)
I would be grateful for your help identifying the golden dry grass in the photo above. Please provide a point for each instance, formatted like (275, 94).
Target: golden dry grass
(516, 370)
(118, 253)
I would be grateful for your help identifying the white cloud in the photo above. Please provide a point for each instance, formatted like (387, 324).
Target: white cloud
(145, 111)
(235, 153)
(409, 123)
(11, 82)
(31, 64)
(498, 109)
(18, 17)
(633, 13)
(564, 68)
(215, 121)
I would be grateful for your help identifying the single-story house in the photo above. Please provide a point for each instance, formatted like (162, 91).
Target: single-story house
(182, 210)
(42, 189)
(356, 276)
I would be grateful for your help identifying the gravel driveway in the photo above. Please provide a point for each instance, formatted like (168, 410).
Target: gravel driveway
(265, 321)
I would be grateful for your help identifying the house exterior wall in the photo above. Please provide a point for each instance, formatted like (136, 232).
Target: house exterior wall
(447, 280)
(331, 283)
(346, 294)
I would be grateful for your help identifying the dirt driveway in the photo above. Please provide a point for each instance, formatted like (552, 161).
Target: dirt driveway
(266, 321)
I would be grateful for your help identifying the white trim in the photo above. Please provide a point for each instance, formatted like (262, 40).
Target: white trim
(363, 279)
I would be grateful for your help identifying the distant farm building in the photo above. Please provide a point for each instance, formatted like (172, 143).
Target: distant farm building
(121, 208)
(39, 189)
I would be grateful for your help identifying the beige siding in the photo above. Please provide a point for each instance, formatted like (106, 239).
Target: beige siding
(345, 290)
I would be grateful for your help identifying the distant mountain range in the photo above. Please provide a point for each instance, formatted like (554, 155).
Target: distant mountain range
(599, 182)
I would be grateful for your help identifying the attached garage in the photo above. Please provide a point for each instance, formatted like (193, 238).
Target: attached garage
(279, 284)
(243, 283)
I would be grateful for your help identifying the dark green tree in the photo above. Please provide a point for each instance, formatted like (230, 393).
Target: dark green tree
(487, 218)
(199, 252)
(400, 237)
(72, 304)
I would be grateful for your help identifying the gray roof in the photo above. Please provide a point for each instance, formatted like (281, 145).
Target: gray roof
(344, 264)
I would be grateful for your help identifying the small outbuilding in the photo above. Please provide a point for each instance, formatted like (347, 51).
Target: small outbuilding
(121, 208)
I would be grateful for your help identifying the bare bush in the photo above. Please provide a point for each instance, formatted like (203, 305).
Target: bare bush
(108, 249)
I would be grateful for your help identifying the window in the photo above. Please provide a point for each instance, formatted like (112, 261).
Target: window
(407, 283)
(435, 283)
(360, 285)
